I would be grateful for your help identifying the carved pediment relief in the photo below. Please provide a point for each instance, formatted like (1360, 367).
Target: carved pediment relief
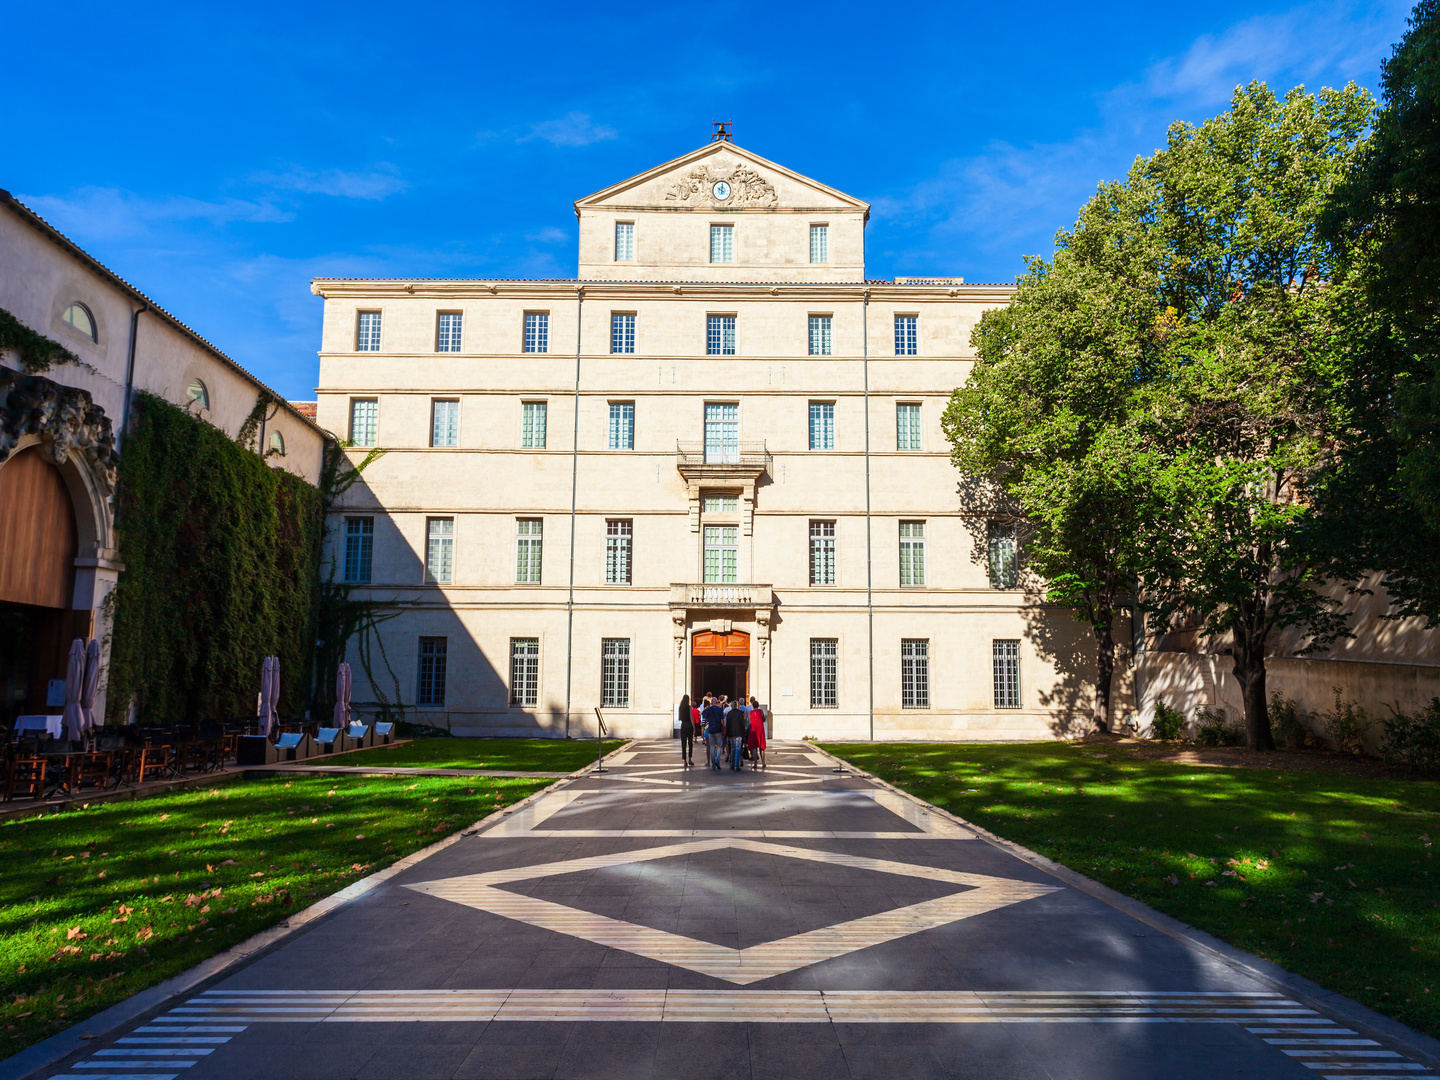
(747, 187)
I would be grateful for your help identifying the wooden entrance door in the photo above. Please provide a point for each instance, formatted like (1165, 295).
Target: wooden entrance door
(720, 664)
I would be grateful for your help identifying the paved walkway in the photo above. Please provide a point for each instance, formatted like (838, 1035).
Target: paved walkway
(795, 923)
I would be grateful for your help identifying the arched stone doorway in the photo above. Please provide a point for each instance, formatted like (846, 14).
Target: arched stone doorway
(39, 542)
(720, 663)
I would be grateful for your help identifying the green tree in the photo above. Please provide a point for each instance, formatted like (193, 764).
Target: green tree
(1048, 417)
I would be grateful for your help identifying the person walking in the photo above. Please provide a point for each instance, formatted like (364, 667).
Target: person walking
(755, 739)
(735, 735)
(687, 732)
(714, 717)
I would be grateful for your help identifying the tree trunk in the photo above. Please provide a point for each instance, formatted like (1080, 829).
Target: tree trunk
(1250, 671)
(1104, 668)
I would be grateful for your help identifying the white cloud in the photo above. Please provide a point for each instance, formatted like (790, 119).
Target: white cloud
(375, 183)
(98, 213)
(549, 235)
(572, 129)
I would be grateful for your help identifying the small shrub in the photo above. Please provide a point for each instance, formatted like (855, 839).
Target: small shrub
(1169, 724)
(1412, 740)
(1213, 728)
(1346, 725)
(1287, 723)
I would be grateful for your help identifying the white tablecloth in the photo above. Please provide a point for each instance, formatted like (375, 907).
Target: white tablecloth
(49, 724)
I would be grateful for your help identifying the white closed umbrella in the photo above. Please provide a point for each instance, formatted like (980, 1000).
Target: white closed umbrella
(341, 718)
(89, 687)
(262, 706)
(272, 696)
(74, 719)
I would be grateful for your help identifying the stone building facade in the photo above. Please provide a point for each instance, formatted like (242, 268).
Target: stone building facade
(711, 461)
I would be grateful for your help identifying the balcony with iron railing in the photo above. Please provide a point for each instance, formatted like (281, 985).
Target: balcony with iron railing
(721, 596)
(719, 460)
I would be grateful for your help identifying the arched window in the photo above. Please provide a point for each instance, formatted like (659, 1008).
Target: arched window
(277, 443)
(197, 393)
(78, 316)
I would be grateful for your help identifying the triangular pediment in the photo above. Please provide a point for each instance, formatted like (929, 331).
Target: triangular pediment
(688, 182)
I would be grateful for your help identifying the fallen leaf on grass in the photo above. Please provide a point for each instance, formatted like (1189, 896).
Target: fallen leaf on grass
(1173, 879)
(75, 934)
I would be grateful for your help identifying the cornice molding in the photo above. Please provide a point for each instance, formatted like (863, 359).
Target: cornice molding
(494, 289)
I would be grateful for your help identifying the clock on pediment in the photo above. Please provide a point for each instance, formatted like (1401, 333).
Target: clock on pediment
(720, 190)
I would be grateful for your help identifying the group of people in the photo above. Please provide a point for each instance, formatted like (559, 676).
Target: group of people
(729, 729)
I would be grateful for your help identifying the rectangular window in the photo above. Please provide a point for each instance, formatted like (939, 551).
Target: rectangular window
(722, 554)
(721, 504)
(720, 335)
(624, 241)
(822, 553)
(359, 546)
(914, 674)
(615, 673)
(912, 553)
(618, 535)
(824, 673)
(364, 420)
(528, 539)
(819, 243)
(524, 671)
(621, 434)
(367, 332)
(907, 427)
(448, 332)
(906, 339)
(722, 434)
(440, 550)
(532, 425)
(1007, 674)
(622, 333)
(431, 690)
(537, 331)
(444, 423)
(722, 243)
(820, 335)
(1004, 571)
(822, 425)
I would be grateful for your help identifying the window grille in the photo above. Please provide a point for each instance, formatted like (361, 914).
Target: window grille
(906, 339)
(622, 333)
(822, 553)
(720, 335)
(721, 504)
(615, 673)
(431, 690)
(440, 550)
(537, 332)
(722, 243)
(618, 535)
(822, 425)
(444, 423)
(722, 433)
(448, 332)
(1007, 674)
(824, 673)
(532, 425)
(528, 540)
(907, 427)
(914, 674)
(367, 332)
(364, 419)
(359, 546)
(621, 435)
(819, 243)
(912, 553)
(525, 671)
(820, 335)
(722, 554)
(624, 241)
(1004, 569)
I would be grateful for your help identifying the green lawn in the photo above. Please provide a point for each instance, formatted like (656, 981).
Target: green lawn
(1329, 875)
(518, 755)
(97, 904)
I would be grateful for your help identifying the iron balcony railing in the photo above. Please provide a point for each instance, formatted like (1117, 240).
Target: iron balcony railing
(749, 455)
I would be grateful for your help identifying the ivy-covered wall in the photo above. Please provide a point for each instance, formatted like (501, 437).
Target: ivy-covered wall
(222, 558)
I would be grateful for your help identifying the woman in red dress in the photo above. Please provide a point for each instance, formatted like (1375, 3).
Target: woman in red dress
(755, 738)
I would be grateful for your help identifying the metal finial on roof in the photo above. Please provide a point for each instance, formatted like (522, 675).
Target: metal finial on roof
(722, 131)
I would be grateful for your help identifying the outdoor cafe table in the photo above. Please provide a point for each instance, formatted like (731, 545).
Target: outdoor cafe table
(49, 724)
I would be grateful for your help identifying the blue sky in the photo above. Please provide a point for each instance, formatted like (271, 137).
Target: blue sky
(219, 156)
